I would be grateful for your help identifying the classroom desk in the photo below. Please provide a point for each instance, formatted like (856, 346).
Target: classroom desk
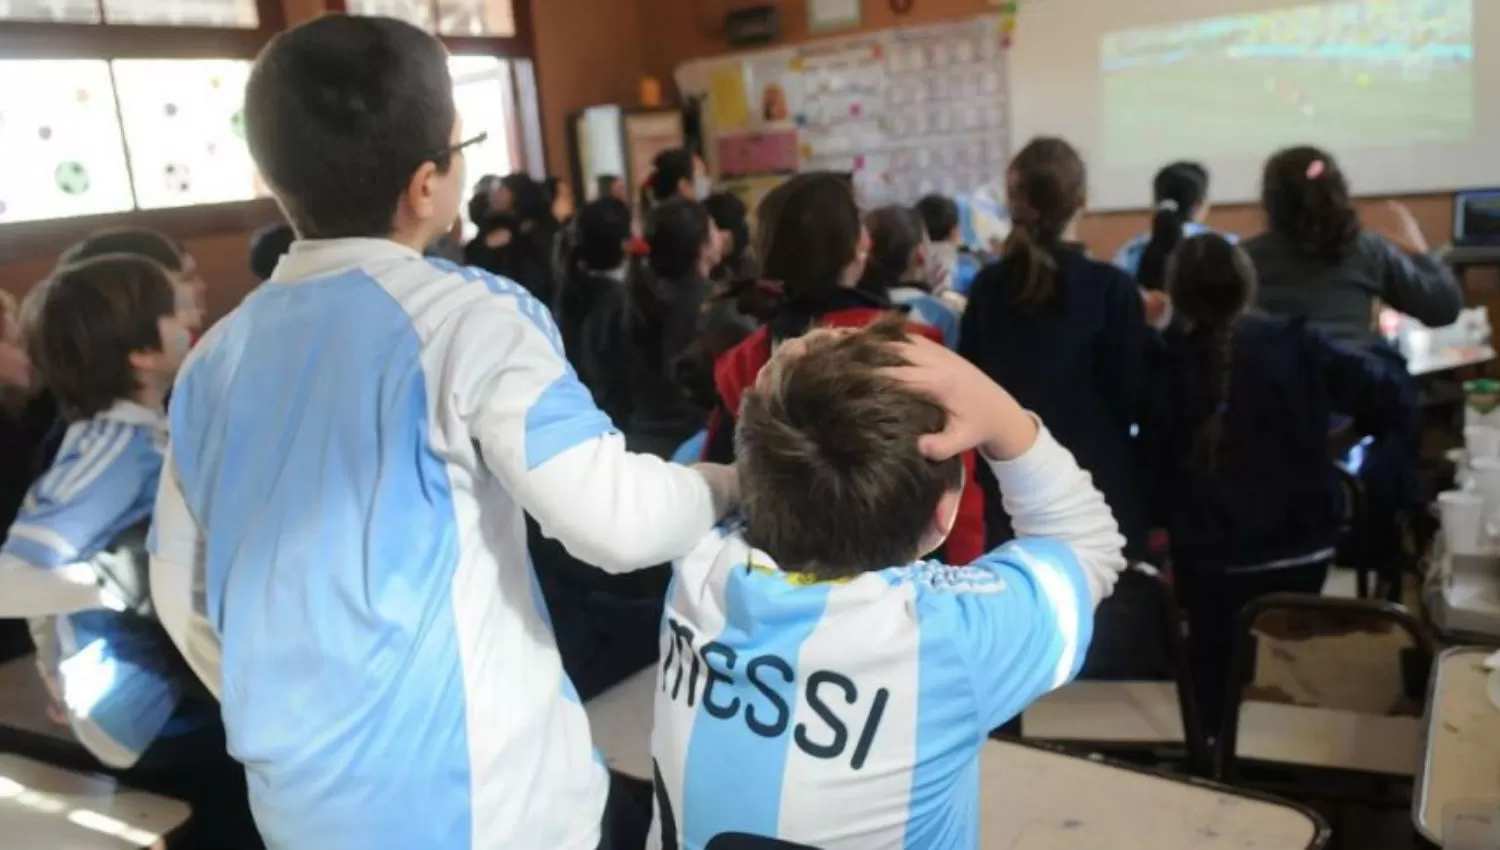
(1448, 359)
(1461, 746)
(46, 806)
(1038, 798)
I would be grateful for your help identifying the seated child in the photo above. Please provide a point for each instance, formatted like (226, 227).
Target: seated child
(107, 342)
(820, 683)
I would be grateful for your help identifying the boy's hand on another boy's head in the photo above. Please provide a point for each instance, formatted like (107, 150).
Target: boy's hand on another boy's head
(981, 414)
(723, 485)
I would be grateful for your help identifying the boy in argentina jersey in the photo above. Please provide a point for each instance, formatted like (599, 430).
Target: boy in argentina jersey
(819, 686)
(108, 339)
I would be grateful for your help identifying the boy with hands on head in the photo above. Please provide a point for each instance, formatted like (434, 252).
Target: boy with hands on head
(820, 682)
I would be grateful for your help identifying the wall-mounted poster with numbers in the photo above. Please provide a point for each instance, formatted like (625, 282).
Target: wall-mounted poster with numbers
(905, 111)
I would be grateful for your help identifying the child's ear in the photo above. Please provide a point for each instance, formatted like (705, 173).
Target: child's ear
(941, 523)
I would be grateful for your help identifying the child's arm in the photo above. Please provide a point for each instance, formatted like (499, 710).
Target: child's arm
(1021, 618)
(560, 457)
(1022, 623)
(78, 506)
(177, 579)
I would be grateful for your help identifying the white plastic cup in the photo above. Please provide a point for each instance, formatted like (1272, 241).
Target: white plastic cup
(1485, 473)
(1482, 441)
(1463, 518)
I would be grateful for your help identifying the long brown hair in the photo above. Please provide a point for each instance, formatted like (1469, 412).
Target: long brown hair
(1211, 283)
(1045, 187)
(1306, 200)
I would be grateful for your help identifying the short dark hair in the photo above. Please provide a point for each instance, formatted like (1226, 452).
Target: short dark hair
(669, 169)
(339, 113)
(135, 241)
(896, 233)
(601, 230)
(939, 215)
(268, 246)
(832, 480)
(90, 318)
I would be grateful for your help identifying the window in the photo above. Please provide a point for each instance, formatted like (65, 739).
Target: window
(446, 17)
(111, 107)
(53, 116)
(205, 13)
(482, 92)
(184, 129)
(66, 127)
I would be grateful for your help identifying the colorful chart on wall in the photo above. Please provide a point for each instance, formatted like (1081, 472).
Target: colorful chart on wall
(60, 149)
(906, 111)
(185, 126)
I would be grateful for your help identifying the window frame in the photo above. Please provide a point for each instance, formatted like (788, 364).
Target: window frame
(105, 41)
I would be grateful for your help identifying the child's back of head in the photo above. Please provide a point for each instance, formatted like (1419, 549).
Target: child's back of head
(832, 480)
(340, 115)
(101, 329)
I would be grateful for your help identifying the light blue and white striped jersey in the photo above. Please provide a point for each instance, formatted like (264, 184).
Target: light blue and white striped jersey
(1129, 256)
(115, 672)
(930, 310)
(850, 715)
(340, 551)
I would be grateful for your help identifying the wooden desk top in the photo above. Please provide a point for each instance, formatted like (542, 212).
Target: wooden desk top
(1461, 747)
(1039, 799)
(46, 806)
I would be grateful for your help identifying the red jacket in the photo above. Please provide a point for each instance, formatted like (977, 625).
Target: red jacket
(735, 373)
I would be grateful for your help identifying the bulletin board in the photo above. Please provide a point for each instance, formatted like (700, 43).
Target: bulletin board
(906, 112)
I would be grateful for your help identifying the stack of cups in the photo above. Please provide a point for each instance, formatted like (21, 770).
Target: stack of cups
(1483, 448)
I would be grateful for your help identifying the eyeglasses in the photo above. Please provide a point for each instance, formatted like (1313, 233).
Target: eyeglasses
(461, 146)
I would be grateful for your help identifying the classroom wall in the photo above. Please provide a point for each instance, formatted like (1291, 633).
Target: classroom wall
(676, 31)
(588, 52)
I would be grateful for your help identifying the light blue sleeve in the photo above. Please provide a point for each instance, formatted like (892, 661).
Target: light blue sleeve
(92, 493)
(1021, 618)
(1128, 257)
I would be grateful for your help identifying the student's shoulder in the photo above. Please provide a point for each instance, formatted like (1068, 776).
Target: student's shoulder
(106, 452)
(1029, 559)
(443, 298)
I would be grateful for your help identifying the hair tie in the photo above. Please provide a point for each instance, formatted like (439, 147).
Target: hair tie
(1316, 168)
(638, 247)
(1167, 205)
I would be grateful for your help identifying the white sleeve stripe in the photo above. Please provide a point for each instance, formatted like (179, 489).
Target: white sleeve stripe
(90, 442)
(1062, 598)
(82, 440)
(100, 463)
(45, 537)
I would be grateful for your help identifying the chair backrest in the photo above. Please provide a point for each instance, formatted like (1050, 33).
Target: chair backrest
(1356, 655)
(1154, 618)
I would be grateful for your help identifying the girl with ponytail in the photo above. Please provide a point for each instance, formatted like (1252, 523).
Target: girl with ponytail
(1064, 333)
(1180, 193)
(1236, 433)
